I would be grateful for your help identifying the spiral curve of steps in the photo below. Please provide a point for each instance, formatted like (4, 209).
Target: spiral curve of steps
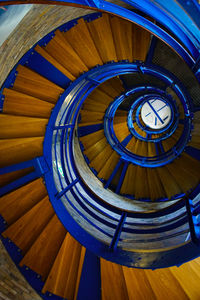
(87, 189)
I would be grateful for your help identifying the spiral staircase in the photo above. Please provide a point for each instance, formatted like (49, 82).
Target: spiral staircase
(100, 159)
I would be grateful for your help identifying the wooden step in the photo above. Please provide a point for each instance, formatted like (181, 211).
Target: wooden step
(60, 49)
(169, 183)
(184, 177)
(96, 148)
(92, 138)
(43, 252)
(17, 203)
(88, 116)
(54, 62)
(141, 43)
(137, 148)
(121, 131)
(112, 87)
(164, 283)
(121, 119)
(99, 161)
(122, 34)
(188, 277)
(12, 176)
(195, 131)
(21, 127)
(195, 141)
(62, 278)
(113, 283)
(17, 103)
(99, 96)
(13, 151)
(30, 83)
(131, 145)
(95, 106)
(156, 189)
(191, 164)
(81, 41)
(101, 33)
(151, 149)
(109, 166)
(197, 116)
(26, 229)
(128, 186)
(142, 190)
(138, 285)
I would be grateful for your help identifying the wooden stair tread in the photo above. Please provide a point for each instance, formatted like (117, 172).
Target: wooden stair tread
(43, 252)
(17, 126)
(31, 83)
(101, 33)
(77, 37)
(20, 201)
(26, 229)
(17, 103)
(13, 151)
(60, 49)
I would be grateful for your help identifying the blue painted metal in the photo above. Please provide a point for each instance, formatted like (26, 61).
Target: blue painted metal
(162, 157)
(3, 224)
(99, 75)
(116, 237)
(40, 65)
(195, 153)
(39, 165)
(126, 140)
(194, 226)
(152, 47)
(85, 130)
(60, 194)
(18, 183)
(33, 278)
(171, 20)
(113, 174)
(91, 273)
(137, 106)
(121, 177)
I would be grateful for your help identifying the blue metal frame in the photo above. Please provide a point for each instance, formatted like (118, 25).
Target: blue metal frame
(146, 129)
(69, 116)
(38, 163)
(183, 33)
(93, 78)
(162, 157)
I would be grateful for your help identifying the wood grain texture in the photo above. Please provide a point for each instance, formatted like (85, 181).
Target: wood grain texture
(9, 177)
(54, 62)
(17, 103)
(26, 229)
(43, 252)
(13, 151)
(60, 49)
(141, 42)
(96, 148)
(81, 41)
(101, 33)
(122, 35)
(21, 127)
(17, 203)
(31, 83)
(63, 275)
(113, 283)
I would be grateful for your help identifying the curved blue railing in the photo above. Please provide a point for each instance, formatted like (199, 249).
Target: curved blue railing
(110, 228)
(73, 202)
(173, 20)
